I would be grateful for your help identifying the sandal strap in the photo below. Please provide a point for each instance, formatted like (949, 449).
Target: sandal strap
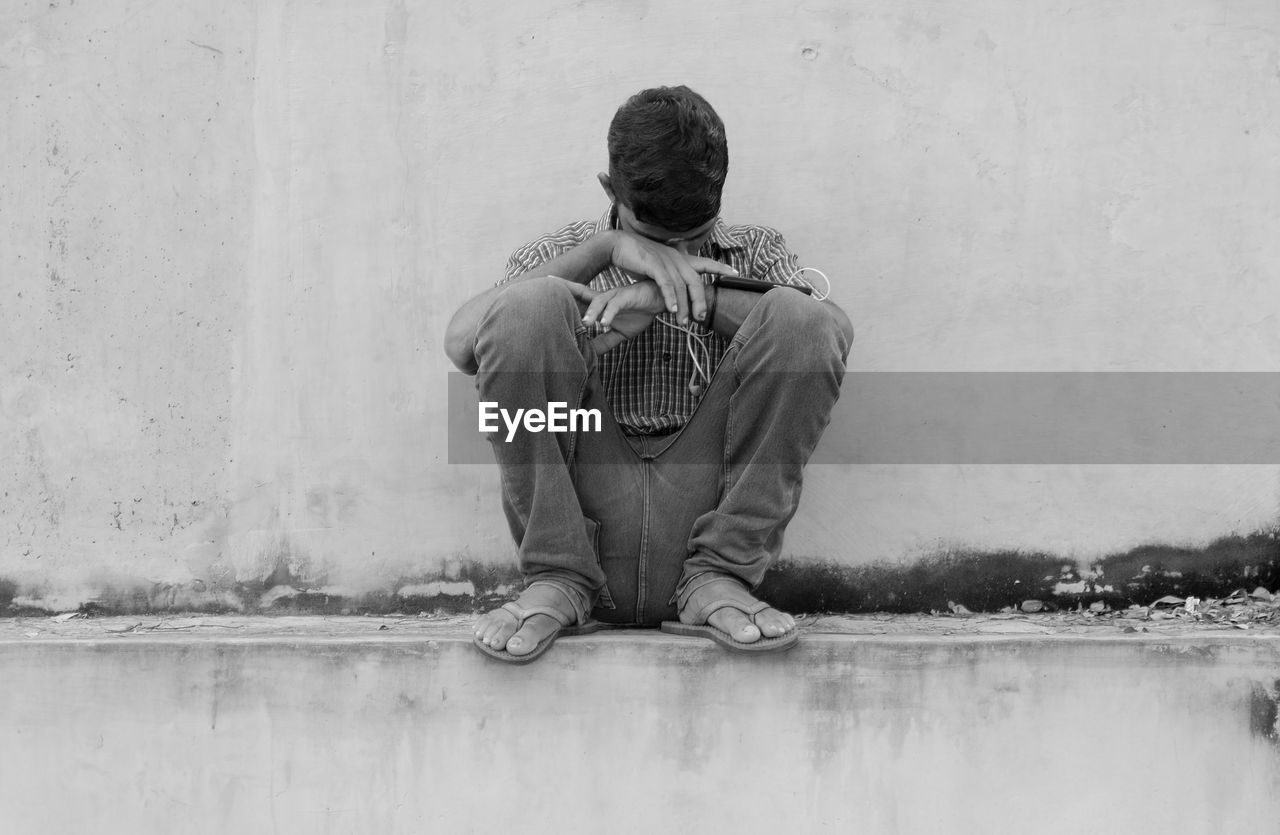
(522, 613)
(701, 579)
(750, 610)
(573, 612)
(736, 595)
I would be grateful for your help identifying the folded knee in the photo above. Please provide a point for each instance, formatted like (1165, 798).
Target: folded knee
(810, 329)
(530, 308)
(533, 297)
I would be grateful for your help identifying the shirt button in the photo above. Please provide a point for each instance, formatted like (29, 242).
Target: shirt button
(666, 357)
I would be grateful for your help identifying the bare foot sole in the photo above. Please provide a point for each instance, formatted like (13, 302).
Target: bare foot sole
(724, 611)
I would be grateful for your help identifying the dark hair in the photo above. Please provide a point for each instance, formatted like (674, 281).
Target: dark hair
(668, 157)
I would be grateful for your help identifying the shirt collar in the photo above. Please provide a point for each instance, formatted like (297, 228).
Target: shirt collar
(720, 233)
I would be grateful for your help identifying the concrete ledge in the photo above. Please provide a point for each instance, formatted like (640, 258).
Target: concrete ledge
(342, 725)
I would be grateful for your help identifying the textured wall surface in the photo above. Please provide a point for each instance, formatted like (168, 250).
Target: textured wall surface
(394, 733)
(231, 234)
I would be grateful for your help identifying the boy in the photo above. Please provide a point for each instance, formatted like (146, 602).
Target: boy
(712, 398)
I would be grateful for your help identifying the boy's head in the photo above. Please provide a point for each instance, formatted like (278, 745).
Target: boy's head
(668, 158)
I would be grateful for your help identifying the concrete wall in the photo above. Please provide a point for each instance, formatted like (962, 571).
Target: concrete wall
(639, 733)
(231, 233)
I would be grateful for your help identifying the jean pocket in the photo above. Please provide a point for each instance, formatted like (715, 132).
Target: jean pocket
(605, 600)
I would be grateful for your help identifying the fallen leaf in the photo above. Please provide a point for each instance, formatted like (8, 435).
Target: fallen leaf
(958, 608)
(1031, 606)
(1168, 600)
(66, 616)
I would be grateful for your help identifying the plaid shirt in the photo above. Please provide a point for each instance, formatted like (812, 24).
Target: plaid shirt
(646, 379)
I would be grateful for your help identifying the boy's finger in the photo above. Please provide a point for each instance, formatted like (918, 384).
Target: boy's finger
(670, 298)
(593, 309)
(582, 295)
(581, 292)
(613, 308)
(680, 290)
(706, 265)
(697, 292)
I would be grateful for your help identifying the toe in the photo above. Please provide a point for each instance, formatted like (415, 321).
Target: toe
(735, 624)
(534, 631)
(774, 624)
(500, 633)
(494, 628)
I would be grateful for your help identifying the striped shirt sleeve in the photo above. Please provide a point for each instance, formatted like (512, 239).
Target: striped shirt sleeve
(771, 260)
(538, 252)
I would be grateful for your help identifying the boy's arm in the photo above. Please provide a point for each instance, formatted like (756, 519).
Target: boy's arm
(773, 261)
(732, 306)
(676, 276)
(578, 265)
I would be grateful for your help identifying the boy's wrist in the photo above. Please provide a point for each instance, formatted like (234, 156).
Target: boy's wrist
(607, 242)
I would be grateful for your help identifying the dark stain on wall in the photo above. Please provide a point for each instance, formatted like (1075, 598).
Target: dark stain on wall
(1264, 712)
(989, 581)
(8, 591)
(978, 580)
(981, 581)
(1232, 562)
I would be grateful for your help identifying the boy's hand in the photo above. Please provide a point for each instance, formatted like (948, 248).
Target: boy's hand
(676, 275)
(614, 311)
(628, 310)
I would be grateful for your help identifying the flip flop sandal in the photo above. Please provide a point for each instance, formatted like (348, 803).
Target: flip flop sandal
(724, 639)
(521, 615)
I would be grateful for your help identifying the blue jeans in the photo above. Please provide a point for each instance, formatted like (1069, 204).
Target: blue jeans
(626, 521)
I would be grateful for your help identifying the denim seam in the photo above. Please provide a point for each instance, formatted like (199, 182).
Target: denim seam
(726, 460)
(573, 436)
(642, 564)
(603, 597)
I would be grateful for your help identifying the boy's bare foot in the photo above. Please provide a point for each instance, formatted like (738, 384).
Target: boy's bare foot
(498, 629)
(769, 623)
(501, 630)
